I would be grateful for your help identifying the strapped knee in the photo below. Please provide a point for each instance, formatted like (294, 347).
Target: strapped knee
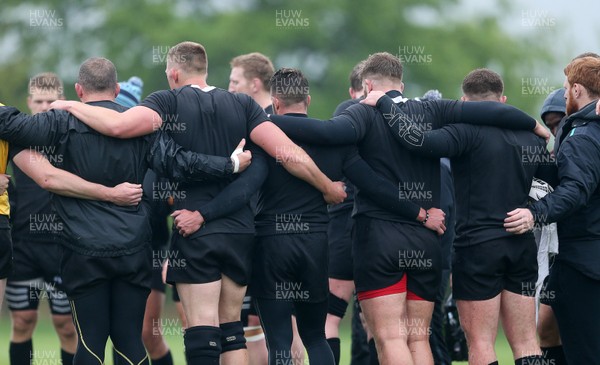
(336, 306)
(232, 336)
(202, 342)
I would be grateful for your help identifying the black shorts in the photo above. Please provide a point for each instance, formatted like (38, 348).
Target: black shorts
(33, 260)
(339, 234)
(384, 251)
(36, 276)
(203, 259)
(83, 273)
(482, 271)
(291, 267)
(6, 253)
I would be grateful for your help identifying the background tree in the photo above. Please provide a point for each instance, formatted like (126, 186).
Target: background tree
(324, 39)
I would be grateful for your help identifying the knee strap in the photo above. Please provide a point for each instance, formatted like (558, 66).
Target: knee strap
(336, 306)
(232, 336)
(202, 343)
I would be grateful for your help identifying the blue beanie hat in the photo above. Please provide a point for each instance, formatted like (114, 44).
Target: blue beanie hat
(131, 92)
(555, 102)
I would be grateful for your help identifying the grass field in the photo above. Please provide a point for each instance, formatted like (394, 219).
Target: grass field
(47, 352)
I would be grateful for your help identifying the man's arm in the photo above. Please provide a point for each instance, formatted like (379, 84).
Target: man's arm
(488, 113)
(338, 130)
(579, 176)
(296, 161)
(386, 195)
(42, 129)
(133, 122)
(232, 198)
(168, 159)
(61, 182)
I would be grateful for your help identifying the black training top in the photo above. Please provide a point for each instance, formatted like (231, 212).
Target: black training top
(492, 167)
(288, 205)
(211, 121)
(418, 177)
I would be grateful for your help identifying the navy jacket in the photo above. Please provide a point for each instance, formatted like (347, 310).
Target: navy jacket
(575, 202)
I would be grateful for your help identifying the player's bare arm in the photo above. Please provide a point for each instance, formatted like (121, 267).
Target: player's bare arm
(134, 122)
(61, 182)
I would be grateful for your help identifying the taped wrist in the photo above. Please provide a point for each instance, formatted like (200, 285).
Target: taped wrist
(235, 159)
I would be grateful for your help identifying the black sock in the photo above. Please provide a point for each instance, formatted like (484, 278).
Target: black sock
(374, 360)
(494, 363)
(21, 353)
(555, 353)
(165, 360)
(334, 343)
(67, 358)
(530, 360)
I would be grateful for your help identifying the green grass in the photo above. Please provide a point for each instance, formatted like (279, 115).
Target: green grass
(46, 343)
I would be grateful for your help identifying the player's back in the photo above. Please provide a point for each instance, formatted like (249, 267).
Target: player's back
(290, 205)
(96, 227)
(211, 121)
(492, 178)
(418, 177)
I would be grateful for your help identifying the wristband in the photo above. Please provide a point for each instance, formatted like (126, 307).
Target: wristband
(426, 218)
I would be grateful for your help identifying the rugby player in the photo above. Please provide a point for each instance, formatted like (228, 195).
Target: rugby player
(290, 263)
(341, 283)
(105, 267)
(494, 272)
(250, 74)
(553, 112)
(212, 286)
(36, 258)
(385, 245)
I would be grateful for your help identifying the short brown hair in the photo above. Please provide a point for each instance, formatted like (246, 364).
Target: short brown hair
(585, 72)
(97, 74)
(290, 86)
(482, 83)
(382, 65)
(355, 76)
(255, 65)
(587, 54)
(189, 56)
(46, 81)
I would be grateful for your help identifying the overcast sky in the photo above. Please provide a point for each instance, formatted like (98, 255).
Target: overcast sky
(576, 23)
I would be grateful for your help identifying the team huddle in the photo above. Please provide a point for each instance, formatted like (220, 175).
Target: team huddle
(279, 219)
